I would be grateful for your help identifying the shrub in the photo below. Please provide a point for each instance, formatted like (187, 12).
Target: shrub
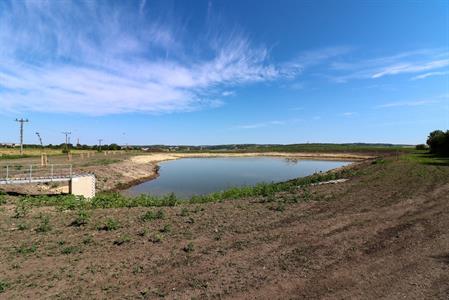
(421, 147)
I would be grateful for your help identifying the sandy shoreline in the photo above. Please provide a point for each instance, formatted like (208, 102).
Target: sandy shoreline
(159, 157)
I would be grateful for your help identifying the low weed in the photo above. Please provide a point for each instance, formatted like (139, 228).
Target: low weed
(109, 225)
(3, 286)
(44, 225)
(156, 238)
(23, 226)
(122, 240)
(70, 250)
(188, 248)
(165, 229)
(153, 215)
(23, 249)
(81, 219)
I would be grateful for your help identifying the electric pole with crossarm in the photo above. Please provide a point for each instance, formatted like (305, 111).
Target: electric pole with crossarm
(21, 121)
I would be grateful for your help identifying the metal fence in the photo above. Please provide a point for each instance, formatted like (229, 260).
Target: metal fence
(35, 172)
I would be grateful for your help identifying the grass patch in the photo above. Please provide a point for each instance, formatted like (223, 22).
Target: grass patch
(426, 158)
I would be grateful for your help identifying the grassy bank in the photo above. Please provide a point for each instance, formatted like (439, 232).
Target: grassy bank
(117, 200)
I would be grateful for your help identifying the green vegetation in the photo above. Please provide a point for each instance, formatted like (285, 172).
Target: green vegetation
(26, 249)
(3, 286)
(109, 225)
(81, 219)
(122, 240)
(70, 250)
(44, 225)
(438, 142)
(188, 248)
(116, 200)
(153, 215)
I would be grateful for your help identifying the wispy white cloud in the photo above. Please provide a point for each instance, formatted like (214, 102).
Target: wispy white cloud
(430, 74)
(417, 61)
(55, 64)
(267, 124)
(407, 103)
(349, 114)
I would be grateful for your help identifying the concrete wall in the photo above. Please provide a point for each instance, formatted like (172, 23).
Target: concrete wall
(83, 186)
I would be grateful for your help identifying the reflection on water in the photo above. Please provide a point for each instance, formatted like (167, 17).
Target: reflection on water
(194, 176)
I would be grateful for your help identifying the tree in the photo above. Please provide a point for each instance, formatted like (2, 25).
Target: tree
(438, 142)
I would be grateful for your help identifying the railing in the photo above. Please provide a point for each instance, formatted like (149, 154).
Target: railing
(35, 172)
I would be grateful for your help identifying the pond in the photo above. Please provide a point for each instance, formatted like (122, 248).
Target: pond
(195, 176)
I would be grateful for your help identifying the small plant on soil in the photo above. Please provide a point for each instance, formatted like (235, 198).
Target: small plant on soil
(142, 232)
(166, 228)
(3, 286)
(122, 240)
(188, 248)
(70, 250)
(22, 226)
(157, 238)
(87, 240)
(153, 215)
(184, 212)
(110, 224)
(44, 225)
(20, 211)
(280, 206)
(81, 219)
(26, 249)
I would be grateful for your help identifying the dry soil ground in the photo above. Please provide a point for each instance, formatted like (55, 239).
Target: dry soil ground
(383, 234)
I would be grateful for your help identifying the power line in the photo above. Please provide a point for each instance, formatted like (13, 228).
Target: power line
(21, 121)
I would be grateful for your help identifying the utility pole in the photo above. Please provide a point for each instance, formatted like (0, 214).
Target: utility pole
(40, 139)
(21, 121)
(99, 144)
(66, 138)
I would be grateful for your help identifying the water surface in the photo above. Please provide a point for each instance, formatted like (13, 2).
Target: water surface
(195, 176)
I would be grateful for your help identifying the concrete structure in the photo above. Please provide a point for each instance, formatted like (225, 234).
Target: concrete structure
(83, 186)
(79, 184)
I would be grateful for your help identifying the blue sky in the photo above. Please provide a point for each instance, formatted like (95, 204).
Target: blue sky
(215, 72)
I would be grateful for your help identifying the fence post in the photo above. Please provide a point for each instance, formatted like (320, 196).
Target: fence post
(70, 171)
(51, 174)
(31, 171)
(7, 172)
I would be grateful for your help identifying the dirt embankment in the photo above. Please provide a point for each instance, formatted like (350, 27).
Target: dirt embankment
(383, 234)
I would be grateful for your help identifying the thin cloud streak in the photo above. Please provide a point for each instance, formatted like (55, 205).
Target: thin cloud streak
(409, 103)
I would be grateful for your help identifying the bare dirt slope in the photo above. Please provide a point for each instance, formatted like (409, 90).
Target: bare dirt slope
(384, 234)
